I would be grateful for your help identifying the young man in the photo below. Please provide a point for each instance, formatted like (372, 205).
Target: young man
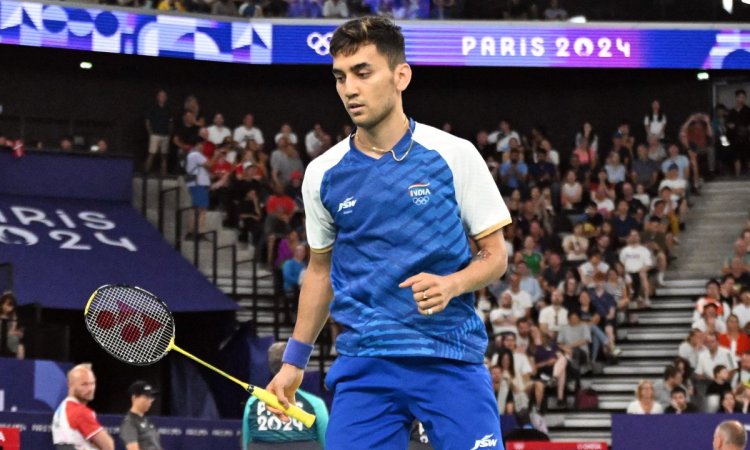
(136, 431)
(388, 213)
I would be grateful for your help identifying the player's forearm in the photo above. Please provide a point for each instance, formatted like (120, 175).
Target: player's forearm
(488, 265)
(314, 299)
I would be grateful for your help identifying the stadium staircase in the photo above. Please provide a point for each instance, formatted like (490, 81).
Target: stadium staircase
(714, 221)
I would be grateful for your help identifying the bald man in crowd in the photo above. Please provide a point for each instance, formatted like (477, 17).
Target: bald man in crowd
(730, 435)
(74, 425)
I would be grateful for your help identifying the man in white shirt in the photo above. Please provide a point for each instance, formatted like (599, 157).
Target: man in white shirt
(247, 131)
(591, 267)
(198, 182)
(217, 132)
(742, 310)
(503, 318)
(502, 136)
(521, 299)
(554, 316)
(637, 261)
(314, 141)
(713, 357)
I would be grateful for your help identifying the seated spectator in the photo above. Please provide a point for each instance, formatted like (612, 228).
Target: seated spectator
(663, 388)
(218, 131)
(335, 9)
(553, 274)
(742, 310)
(656, 151)
(555, 12)
(606, 248)
(606, 306)
(66, 144)
(554, 316)
(742, 377)
(502, 137)
(551, 366)
(618, 289)
(740, 272)
(287, 132)
(503, 318)
(285, 160)
(671, 180)
(314, 141)
(523, 333)
(637, 261)
(521, 383)
(710, 322)
(720, 382)
(742, 399)
(279, 208)
(247, 131)
(711, 296)
(644, 402)
(622, 222)
(249, 9)
(654, 238)
(522, 301)
(616, 171)
(224, 8)
(728, 404)
(513, 173)
(250, 216)
(590, 317)
(692, 347)
(739, 250)
(573, 339)
(679, 403)
(715, 356)
(590, 268)
(644, 170)
(13, 334)
(543, 172)
(570, 289)
(576, 245)
(734, 339)
(586, 155)
(502, 381)
(530, 285)
(681, 161)
(571, 194)
(604, 204)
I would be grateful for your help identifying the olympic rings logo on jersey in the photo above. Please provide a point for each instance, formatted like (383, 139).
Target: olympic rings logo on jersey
(420, 193)
(320, 43)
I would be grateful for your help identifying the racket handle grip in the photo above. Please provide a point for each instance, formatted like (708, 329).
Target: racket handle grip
(293, 411)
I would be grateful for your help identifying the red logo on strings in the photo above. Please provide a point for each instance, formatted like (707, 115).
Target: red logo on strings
(130, 332)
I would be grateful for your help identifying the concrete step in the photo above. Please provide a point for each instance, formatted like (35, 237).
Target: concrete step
(685, 283)
(587, 420)
(652, 371)
(645, 351)
(609, 386)
(672, 303)
(664, 319)
(564, 435)
(680, 291)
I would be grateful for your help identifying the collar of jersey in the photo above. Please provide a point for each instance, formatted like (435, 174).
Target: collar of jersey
(399, 148)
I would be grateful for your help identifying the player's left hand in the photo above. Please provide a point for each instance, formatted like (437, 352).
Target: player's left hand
(431, 292)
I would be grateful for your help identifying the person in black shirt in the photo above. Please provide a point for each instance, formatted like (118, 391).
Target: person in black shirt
(680, 404)
(136, 431)
(738, 130)
(159, 127)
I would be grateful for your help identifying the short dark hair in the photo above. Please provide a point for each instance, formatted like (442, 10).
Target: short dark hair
(678, 389)
(670, 371)
(740, 91)
(376, 30)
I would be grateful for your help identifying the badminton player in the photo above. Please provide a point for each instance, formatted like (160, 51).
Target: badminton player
(390, 212)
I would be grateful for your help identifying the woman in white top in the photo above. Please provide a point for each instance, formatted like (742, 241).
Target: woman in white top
(644, 402)
(656, 121)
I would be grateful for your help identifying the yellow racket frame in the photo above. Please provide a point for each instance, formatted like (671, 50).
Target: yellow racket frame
(263, 395)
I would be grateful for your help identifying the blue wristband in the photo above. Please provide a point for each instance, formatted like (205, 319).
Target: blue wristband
(297, 353)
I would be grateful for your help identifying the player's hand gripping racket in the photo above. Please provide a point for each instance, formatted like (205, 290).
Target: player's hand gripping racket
(136, 327)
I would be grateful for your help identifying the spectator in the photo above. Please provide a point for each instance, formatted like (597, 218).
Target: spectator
(739, 251)
(74, 424)
(712, 296)
(570, 289)
(335, 9)
(591, 268)
(656, 121)
(502, 380)
(191, 104)
(279, 208)
(573, 339)
(576, 245)
(66, 144)
(606, 307)
(716, 355)
(521, 383)
(218, 131)
(622, 222)
(663, 388)
(550, 365)
(614, 168)
(742, 310)
(224, 8)
(554, 316)
(718, 386)
(644, 402)
(553, 156)
(249, 9)
(513, 173)
(637, 261)
(692, 347)
(734, 339)
(292, 433)
(314, 141)
(285, 160)
(681, 161)
(710, 322)
(198, 182)
(13, 334)
(502, 137)
(186, 133)
(542, 172)
(248, 131)
(590, 317)
(503, 318)
(586, 154)
(553, 274)
(522, 301)
(250, 215)
(679, 403)
(644, 170)
(159, 127)
(656, 151)
(742, 377)
(587, 131)
(136, 431)
(555, 12)
(738, 130)
(728, 404)
(618, 289)
(171, 5)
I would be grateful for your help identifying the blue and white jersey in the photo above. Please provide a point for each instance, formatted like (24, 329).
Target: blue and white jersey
(386, 221)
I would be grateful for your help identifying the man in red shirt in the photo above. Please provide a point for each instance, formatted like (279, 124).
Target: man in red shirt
(74, 425)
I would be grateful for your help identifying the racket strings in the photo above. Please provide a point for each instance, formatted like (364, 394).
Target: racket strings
(131, 324)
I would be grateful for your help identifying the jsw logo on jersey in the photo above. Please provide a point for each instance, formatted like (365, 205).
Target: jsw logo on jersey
(347, 204)
(485, 442)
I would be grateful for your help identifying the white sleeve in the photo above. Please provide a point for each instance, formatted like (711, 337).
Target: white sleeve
(482, 208)
(321, 232)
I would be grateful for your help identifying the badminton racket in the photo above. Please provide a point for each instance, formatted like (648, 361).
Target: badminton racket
(136, 327)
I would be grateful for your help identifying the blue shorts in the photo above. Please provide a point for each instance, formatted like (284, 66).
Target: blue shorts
(199, 196)
(377, 399)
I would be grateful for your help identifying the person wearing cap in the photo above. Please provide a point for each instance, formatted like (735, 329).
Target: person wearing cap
(136, 431)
